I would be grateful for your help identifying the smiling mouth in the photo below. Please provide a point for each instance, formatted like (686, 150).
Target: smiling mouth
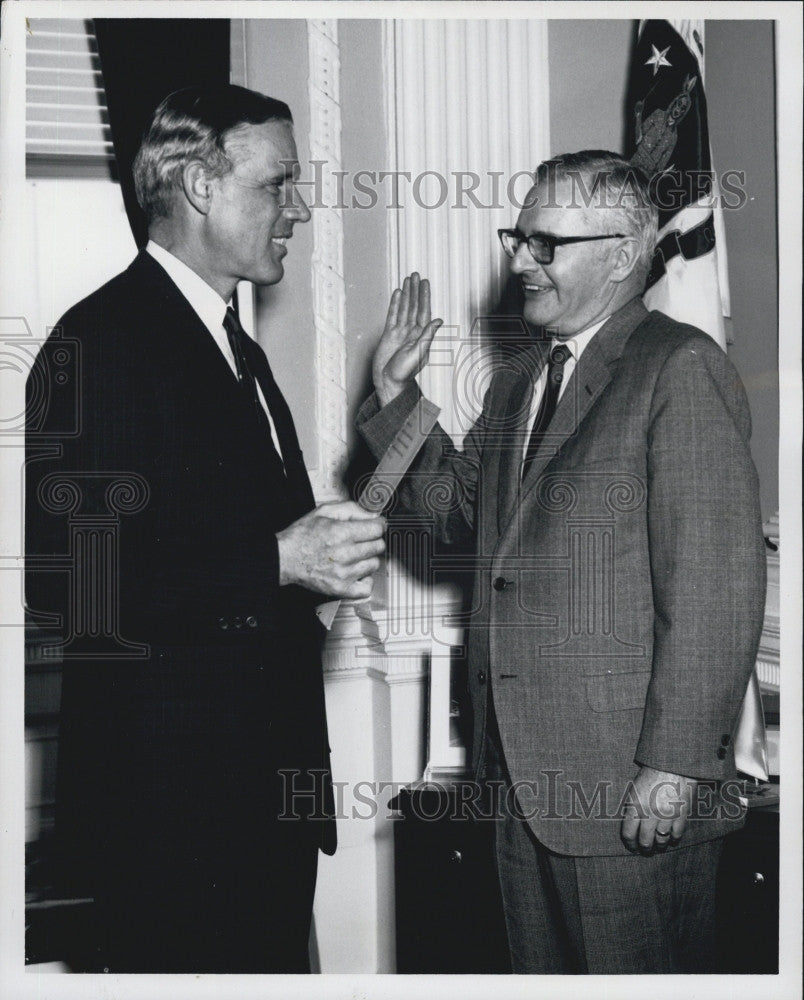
(281, 240)
(536, 288)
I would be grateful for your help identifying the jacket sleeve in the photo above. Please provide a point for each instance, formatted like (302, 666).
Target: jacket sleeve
(707, 563)
(442, 482)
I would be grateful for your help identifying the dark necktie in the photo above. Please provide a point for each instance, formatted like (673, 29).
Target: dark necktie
(245, 376)
(547, 407)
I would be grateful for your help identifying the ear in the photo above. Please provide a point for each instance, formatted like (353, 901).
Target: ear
(197, 186)
(625, 258)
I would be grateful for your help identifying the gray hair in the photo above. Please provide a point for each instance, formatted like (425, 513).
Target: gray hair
(607, 180)
(194, 124)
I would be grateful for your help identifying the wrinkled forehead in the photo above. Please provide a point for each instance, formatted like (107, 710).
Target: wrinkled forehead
(565, 206)
(266, 146)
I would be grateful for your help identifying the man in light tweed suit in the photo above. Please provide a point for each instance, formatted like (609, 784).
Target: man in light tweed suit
(610, 496)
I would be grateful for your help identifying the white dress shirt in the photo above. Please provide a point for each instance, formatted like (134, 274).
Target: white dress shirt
(211, 310)
(577, 345)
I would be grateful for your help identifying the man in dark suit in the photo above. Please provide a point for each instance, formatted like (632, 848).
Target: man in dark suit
(173, 539)
(609, 493)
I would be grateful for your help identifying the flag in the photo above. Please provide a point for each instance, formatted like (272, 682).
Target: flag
(688, 279)
(670, 144)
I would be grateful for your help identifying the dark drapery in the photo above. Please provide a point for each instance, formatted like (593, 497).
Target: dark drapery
(143, 60)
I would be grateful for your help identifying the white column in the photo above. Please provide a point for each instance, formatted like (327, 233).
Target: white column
(376, 715)
(329, 288)
(468, 111)
(350, 890)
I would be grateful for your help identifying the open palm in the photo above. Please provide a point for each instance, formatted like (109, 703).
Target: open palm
(405, 343)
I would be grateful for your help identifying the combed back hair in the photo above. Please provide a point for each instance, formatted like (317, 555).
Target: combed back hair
(604, 179)
(194, 124)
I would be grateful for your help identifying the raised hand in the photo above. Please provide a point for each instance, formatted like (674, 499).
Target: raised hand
(332, 550)
(405, 343)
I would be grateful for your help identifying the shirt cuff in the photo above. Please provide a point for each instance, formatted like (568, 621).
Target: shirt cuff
(379, 425)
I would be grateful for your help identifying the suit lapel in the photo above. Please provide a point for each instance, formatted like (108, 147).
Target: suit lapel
(188, 337)
(592, 374)
(511, 439)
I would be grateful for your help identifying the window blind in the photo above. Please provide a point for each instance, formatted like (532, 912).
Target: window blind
(67, 124)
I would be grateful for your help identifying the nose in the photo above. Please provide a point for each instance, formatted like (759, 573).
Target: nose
(297, 209)
(522, 261)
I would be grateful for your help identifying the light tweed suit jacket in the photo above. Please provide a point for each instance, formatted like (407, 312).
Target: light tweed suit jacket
(619, 588)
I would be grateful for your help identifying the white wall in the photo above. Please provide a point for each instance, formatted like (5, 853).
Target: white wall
(742, 122)
(80, 239)
(276, 64)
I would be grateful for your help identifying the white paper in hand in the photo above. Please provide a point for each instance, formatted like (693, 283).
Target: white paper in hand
(390, 469)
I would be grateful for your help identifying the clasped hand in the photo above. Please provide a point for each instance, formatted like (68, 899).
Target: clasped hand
(333, 550)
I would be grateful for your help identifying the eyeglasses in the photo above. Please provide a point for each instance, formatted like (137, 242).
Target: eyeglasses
(542, 246)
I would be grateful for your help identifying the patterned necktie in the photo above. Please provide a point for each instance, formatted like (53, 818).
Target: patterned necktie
(245, 376)
(547, 407)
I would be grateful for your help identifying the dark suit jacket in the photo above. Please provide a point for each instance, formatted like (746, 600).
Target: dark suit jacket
(190, 677)
(619, 590)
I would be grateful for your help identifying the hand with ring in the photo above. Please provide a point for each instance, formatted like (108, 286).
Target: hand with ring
(657, 816)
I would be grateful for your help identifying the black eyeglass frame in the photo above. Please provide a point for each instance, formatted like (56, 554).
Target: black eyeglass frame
(548, 242)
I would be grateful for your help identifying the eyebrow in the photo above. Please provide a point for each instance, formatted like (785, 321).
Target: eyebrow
(538, 232)
(290, 172)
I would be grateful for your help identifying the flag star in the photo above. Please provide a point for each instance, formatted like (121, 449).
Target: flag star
(657, 60)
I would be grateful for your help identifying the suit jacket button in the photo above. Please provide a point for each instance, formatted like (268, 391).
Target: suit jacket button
(721, 753)
(500, 583)
(251, 621)
(238, 622)
(223, 623)
(481, 676)
(725, 739)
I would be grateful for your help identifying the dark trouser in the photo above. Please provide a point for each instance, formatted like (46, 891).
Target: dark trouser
(173, 811)
(606, 915)
(233, 915)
